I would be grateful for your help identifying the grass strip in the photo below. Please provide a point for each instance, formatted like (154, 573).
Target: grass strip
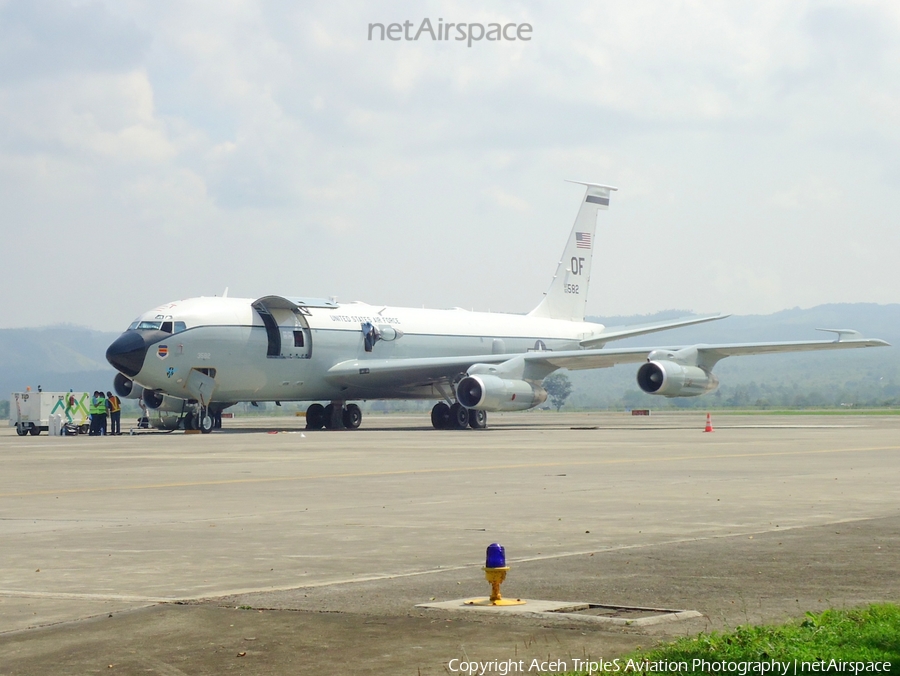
(812, 411)
(850, 641)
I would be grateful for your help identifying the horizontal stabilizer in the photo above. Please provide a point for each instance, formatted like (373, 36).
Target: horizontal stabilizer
(841, 333)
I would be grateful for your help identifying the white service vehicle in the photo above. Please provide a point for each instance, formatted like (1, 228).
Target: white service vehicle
(31, 411)
(195, 357)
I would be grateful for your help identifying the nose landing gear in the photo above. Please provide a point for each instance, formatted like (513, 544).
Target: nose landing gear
(203, 420)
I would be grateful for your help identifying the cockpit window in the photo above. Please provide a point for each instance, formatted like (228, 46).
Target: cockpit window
(167, 326)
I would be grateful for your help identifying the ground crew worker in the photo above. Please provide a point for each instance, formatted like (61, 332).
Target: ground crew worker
(114, 405)
(101, 408)
(95, 415)
(71, 405)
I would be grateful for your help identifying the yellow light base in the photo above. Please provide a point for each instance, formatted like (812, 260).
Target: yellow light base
(495, 576)
(498, 602)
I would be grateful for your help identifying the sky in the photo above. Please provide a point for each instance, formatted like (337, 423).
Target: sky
(158, 150)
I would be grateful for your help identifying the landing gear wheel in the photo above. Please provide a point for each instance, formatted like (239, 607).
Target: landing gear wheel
(459, 417)
(190, 421)
(440, 416)
(205, 422)
(328, 417)
(352, 416)
(477, 419)
(34, 431)
(315, 417)
(21, 430)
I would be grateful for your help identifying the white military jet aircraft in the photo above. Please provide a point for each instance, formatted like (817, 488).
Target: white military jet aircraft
(195, 357)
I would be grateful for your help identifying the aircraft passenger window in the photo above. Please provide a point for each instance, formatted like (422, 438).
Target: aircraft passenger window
(298, 338)
(167, 327)
(180, 326)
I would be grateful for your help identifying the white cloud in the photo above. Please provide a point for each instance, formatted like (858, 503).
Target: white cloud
(270, 147)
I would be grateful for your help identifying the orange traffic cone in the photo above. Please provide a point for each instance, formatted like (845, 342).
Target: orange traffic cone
(709, 427)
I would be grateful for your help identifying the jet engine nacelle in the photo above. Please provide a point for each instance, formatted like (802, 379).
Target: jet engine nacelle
(162, 402)
(671, 379)
(492, 393)
(126, 388)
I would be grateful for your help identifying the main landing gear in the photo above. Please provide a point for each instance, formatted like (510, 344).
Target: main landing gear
(333, 416)
(457, 417)
(336, 416)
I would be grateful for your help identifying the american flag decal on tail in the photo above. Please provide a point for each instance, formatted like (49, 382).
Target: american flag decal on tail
(583, 240)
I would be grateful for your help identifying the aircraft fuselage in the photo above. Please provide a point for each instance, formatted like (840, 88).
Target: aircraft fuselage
(289, 360)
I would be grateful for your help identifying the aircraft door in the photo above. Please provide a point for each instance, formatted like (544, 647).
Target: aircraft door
(287, 331)
(295, 335)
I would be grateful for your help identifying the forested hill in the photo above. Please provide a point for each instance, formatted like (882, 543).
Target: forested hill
(62, 357)
(57, 358)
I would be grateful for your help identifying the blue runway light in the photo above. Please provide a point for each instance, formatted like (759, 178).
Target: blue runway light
(496, 556)
(495, 570)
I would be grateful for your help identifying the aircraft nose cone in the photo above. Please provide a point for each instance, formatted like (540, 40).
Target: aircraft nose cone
(127, 353)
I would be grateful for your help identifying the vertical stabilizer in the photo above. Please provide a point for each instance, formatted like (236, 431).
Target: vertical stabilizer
(567, 296)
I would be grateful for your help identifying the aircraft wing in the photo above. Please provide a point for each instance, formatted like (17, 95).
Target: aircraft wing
(429, 370)
(710, 354)
(707, 355)
(617, 333)
(409, 372)
(412, 372)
